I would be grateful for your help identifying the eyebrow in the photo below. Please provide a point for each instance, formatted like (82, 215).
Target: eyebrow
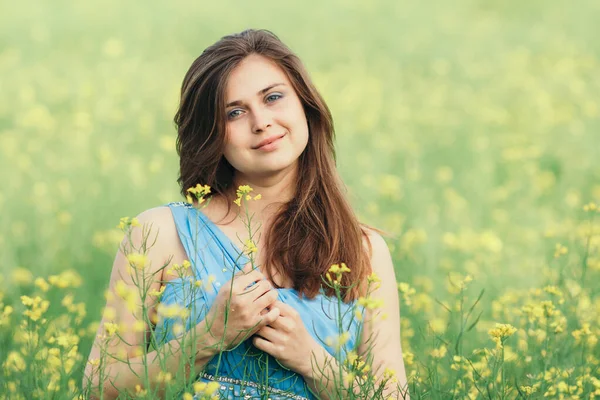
(262, 91)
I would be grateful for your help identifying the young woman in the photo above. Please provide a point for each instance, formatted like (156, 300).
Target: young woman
(250, 115)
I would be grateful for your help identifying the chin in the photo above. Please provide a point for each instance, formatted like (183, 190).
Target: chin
(276, 164)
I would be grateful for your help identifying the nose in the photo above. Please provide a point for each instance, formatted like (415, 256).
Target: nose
(261, 121)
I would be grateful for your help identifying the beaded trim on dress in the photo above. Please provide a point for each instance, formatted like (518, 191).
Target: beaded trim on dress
(274, 391)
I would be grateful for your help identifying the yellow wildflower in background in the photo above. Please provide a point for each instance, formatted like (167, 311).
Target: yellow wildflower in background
(22, 276)
(440, 352)
(37, 307)
(406, 291)
(65, 279)
(560, 250)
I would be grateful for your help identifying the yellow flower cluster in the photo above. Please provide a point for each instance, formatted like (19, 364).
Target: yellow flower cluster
(65, 279)
(5, 313)
(199, 192)
(36, 307)
(338, 270)
(585, 332)
(560, 250)
(591, 206)
(440, 352)
(179, 270)
(172, 311)
(250, 247)
(203, 391)
(500, 333)
(243, 192)
(126, 222)
(337, 342)
(355, 366)
(137, 261)
(407, 292)
(370, 303)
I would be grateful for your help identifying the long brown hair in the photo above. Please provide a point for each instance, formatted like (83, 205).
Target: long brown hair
(317, 228)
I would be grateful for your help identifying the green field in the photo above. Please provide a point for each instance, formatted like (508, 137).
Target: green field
(468, 130)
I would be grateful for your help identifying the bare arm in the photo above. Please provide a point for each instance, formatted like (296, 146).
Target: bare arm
(381, 334)
(126, 312)
(126, 365)
(380, 338)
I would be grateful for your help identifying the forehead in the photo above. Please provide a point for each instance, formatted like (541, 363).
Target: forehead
(254, 73)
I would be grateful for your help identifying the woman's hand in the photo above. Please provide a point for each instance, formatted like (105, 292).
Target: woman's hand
(243, 306)
(288, 341)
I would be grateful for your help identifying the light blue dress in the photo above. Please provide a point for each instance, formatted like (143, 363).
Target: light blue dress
(244, 372)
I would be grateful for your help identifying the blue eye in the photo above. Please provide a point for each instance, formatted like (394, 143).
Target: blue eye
(232, 113)
(274, 96)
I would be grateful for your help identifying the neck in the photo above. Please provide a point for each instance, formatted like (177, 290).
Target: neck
(274, 191)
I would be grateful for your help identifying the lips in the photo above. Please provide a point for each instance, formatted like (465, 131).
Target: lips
(269, 140)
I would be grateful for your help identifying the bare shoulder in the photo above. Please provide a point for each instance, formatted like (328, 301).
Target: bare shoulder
(374, 238)
(381, 259)
(157, 228)
(159, 219)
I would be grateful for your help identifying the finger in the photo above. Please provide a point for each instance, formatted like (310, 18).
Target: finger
(268, 318)
(254, 292)
(264, 345)
(286, 309)
(269, 333)
(267, 300)
(283, 323)
(242, 280)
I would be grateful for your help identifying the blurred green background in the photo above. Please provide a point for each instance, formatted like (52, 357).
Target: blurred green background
(467, 129)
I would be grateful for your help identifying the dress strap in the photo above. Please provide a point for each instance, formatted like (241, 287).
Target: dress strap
(214, 257)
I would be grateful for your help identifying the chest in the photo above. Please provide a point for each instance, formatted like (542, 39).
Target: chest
(239, 236)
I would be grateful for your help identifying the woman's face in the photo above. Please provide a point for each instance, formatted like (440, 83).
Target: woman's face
(261, 105)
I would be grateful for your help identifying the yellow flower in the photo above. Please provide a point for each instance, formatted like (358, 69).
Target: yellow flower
(560, 250)
(501, 332)
(199, 189)
(373, 278)
(243, 190)
(42, 284)
(65, 279)
(110, 328)
(337, 341)
(139, 392)
(211, 388)
(250, 247)
(389, 375)
(165, 377)
(590, 207)
(137, 261)
(22, 276)
(349, 378)
(370, 303)
(439, 352)
(351, 357)
(199, 387)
